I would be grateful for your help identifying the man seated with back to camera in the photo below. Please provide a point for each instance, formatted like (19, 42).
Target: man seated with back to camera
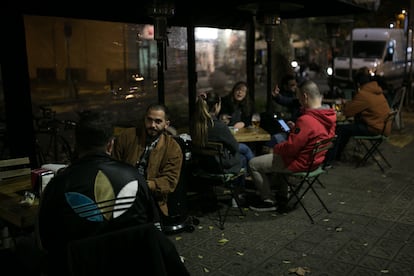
(317, 122)
(96, 179)
(154, 152)
(369, 107)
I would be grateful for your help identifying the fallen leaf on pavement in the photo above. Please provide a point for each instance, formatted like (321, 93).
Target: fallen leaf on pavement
(223, 241)
(301, 271)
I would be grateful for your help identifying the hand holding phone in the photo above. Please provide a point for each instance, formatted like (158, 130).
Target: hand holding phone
(284, 125)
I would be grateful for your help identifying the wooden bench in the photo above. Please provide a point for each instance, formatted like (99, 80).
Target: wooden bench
(14, 167)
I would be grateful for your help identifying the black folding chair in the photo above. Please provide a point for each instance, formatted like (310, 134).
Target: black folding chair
(224, 184)
(372, 143)
(309, 176)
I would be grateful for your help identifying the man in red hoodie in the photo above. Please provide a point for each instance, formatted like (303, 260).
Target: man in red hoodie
(316, 123)
(369, 107)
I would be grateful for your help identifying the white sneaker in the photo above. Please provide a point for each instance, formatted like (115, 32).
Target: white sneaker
(234, 203)
(267, 205)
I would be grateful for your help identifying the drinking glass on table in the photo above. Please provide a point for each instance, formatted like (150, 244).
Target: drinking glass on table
(338, 106)
(256, 120)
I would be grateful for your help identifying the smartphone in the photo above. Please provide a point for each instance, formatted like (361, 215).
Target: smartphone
(284, 125)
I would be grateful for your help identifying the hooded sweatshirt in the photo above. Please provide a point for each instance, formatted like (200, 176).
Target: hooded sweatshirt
(371, 106)
(311, 127)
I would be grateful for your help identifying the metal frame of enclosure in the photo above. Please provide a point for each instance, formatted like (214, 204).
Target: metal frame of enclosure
(236, 14)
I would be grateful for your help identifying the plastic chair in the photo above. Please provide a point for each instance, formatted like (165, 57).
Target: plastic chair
(309, 176)
(372, 143)
(224, 184)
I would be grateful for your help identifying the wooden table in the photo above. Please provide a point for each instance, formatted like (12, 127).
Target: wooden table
(343, 120)
(249, 134)
(10, 208)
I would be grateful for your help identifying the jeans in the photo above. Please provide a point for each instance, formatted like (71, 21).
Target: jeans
(246, 153)
(262, 169)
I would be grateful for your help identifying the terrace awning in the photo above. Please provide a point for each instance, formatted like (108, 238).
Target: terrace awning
(212, 13)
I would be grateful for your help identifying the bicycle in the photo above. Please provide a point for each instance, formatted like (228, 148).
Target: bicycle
(51, 145)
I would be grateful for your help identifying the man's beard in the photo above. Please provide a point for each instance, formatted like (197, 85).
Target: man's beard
(153, 133)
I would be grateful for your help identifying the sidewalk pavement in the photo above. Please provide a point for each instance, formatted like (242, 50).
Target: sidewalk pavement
(370, 230)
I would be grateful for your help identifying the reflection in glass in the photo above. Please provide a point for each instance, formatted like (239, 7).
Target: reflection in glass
(77, 64)
(108, 66)
(220, 59)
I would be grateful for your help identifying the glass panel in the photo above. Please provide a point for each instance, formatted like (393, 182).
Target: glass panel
(84, 64)
(220, 59)
(77, 64)
(176, 78)
(369, 49)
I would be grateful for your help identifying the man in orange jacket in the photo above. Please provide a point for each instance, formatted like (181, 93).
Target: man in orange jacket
(369, 107)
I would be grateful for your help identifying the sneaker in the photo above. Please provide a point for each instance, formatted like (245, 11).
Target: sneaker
(234, 203)
(266, 205)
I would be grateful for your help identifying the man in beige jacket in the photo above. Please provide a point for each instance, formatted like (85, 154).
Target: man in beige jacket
(154, 152)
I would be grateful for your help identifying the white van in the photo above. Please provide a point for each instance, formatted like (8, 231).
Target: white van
(382, 50)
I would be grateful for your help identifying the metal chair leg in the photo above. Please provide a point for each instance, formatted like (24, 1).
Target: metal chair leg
(370, 151)
(299, 196)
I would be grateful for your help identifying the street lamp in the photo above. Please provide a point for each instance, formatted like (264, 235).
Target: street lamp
(332, 29)
(72, 88)
(271, 22)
